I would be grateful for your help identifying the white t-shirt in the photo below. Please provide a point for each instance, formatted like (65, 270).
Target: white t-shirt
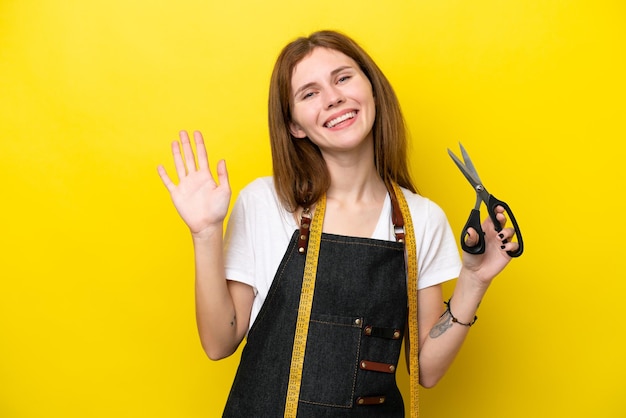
(259, 230)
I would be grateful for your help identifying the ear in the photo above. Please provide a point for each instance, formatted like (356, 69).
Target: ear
(296, 130)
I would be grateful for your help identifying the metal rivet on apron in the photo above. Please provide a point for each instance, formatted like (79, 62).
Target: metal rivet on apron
(301, 250)
(363, 365)
(392, 368)
(357, 321)
(368, 330)
(396, 335)
(361, 401)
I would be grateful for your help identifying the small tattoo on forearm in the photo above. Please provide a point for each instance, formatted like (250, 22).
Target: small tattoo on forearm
(441, 326)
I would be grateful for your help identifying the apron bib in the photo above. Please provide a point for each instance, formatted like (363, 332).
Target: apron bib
(355, 334)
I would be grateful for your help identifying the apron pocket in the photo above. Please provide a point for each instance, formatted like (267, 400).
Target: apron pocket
(331, 360)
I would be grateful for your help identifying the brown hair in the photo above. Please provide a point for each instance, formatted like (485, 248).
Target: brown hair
(300, 172)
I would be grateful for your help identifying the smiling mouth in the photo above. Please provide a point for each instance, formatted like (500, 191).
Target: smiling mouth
(334, 122)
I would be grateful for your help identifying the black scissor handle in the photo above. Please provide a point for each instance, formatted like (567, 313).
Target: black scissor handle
(491, 206)
(474, 222)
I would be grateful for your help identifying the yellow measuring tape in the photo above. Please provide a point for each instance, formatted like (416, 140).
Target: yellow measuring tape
(304, 310)
(306, 302)
(411, 256)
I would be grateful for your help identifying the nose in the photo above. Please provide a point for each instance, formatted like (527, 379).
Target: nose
(335, 97)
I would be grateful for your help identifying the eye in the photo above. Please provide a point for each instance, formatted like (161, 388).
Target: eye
(343, 79)
(307, 94)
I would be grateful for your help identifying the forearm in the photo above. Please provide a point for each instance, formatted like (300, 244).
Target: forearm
(444, 339)
(215, 309)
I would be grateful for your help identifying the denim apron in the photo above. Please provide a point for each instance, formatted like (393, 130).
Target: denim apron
(355, 334)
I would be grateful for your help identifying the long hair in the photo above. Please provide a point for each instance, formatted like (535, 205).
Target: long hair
(300, 172)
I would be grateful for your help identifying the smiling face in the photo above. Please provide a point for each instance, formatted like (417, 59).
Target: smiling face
(333, 103)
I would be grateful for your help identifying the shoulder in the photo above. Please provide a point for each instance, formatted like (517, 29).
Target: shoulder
(259, 193)
(261, 203)
(262, 186)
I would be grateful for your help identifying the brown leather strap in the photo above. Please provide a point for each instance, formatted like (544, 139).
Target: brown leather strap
(305, 227)
(370, 400)
(377, 367)
(396, 217)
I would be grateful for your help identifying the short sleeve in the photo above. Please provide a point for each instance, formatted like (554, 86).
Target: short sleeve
(437, 252)
(238, 245)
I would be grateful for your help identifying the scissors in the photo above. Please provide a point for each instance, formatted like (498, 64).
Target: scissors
(482, 195)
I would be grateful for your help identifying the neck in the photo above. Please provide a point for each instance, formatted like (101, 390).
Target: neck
(354, 199)
(353, 174)
(353, 186)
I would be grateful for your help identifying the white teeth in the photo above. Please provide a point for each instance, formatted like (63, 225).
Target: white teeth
(340, 119)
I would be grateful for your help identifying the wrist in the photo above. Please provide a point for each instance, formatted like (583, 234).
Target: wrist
(455, 319)
(466, 298)
(208, 233)
(472, 282)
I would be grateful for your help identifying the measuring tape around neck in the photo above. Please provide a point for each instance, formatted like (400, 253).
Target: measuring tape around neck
(306, 303)
(411, 261)
(304, 309)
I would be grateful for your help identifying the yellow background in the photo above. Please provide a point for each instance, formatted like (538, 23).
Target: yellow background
(96, 281)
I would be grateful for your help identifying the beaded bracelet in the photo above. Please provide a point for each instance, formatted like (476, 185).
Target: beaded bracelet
(456, 320)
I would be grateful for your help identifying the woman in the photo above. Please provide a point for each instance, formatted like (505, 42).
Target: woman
(338, 148)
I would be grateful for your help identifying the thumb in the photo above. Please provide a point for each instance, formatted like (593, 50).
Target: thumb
(471, 237)
(222, 173)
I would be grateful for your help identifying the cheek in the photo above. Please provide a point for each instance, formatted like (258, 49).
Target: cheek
(302, 122)
(303, 116)
(371, 104)
(366, 94)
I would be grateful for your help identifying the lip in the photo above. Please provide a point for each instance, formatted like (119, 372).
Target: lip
(339, 114)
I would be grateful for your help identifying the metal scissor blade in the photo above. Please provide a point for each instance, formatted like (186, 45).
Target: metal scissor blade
(468, 175)
(468, 163)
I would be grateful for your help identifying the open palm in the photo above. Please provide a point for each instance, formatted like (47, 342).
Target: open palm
(200, 201)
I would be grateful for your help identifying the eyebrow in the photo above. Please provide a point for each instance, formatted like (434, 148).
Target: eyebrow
(332, 73)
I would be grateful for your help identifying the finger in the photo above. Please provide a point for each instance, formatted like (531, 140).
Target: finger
(499, 213)
(187, 151)
(178, 160)
(167, 181)
(222, 173)
(507, 236)
(499, 209)
(501, 217)
(203, 159)
(471, 237)
(511, 246)
(506, 233)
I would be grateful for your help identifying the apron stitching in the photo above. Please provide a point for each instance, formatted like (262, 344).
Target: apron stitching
(334, 323)
(356, 369)
(270, 296)
(391, 247)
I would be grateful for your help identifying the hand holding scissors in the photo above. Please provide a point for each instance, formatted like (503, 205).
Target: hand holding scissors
(482, 195)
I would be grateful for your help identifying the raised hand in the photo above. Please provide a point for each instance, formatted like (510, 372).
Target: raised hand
(201, 202)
